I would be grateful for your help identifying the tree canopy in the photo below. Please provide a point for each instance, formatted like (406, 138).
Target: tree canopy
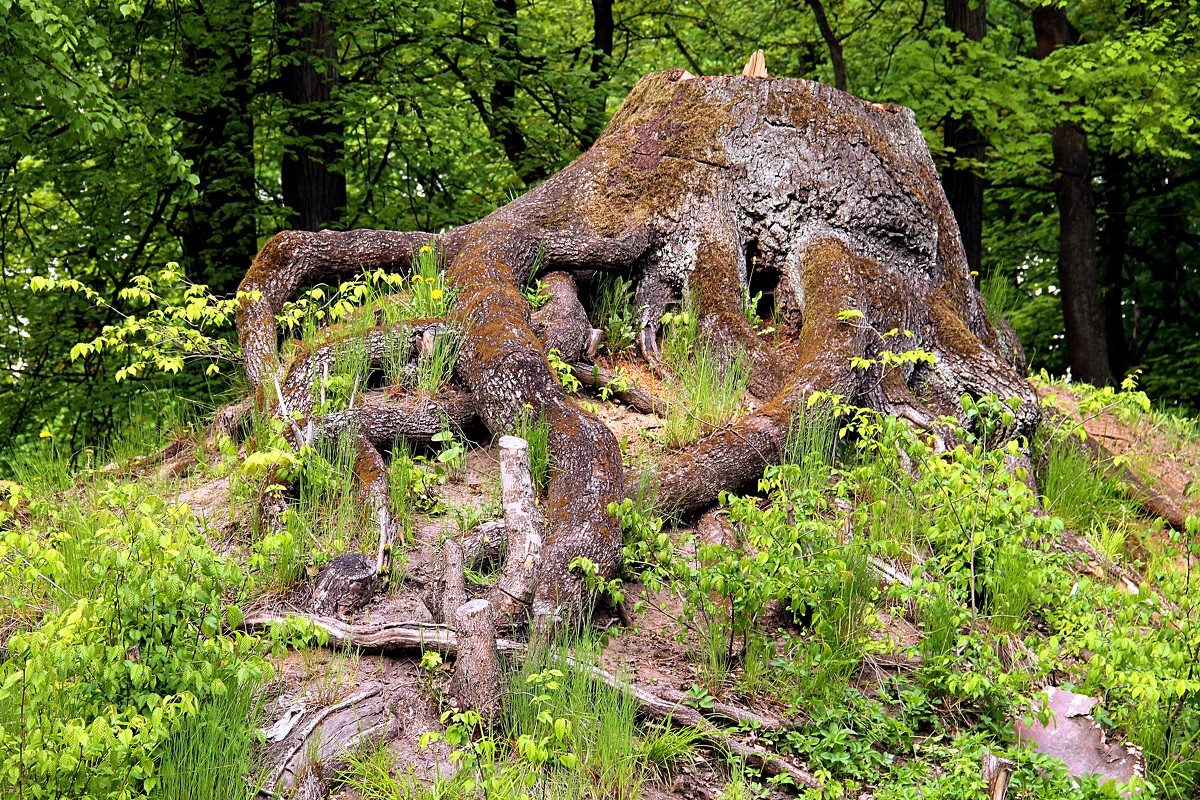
(136, 135)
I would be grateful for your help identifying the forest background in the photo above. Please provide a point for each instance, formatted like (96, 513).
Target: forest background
(135, 135)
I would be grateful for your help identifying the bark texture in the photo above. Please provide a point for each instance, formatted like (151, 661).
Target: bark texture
(315, 193)
(695, 183)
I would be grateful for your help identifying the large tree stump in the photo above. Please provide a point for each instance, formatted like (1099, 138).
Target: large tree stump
(697, 185)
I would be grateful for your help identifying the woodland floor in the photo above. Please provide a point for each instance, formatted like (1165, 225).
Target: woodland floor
(657, 646)
(893, 715)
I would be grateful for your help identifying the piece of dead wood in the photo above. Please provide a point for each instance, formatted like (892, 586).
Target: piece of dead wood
(633, 396)
(1154, 501)
(675, 713)
(477, 677)
(888, 571)
(482, 546)
(452, 588)
(512, 594)
(405, 636)
(289, 759)
(756, 67)
(758, 719)
(348, 583)
(997, 772)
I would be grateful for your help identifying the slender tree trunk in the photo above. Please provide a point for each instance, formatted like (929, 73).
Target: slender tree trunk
(217, 231)
(832, 42)
(964, 184)
(1114, 241)
(602, 47)
(505, 125)
(312, 189)
(1087, 347)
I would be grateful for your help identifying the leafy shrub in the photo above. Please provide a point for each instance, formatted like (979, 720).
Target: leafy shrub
(133, 642)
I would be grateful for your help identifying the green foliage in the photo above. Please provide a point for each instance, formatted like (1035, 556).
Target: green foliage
(131, 643)
(613, 313)
(708, 391)
(999, 295)
(211, 755)
(436, 368)
(181, 328)
(535, 429)
(429, 297)
(563, 735)
(564, 372)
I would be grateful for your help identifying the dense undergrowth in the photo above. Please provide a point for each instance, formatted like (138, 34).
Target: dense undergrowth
(122, 660)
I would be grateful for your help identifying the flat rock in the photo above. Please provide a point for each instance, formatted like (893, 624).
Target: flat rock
(1073, 736)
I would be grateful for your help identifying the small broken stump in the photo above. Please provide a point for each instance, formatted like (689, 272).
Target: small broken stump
(476, 681)
(513, 593)
(348, 584)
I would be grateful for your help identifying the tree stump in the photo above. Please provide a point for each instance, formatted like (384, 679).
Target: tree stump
(347, 584)
(698, 185)
(476, 682)
(515, 587)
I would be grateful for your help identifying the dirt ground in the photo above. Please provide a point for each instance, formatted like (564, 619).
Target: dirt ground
(653, 648)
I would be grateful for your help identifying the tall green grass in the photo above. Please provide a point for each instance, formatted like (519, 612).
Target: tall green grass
(1075, 488)
(708, 392)
(1000, 295)
(614, 313)
(212, 753)
(535, 429)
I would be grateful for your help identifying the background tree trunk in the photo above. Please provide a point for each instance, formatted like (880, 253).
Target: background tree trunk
(1114, 241)
(217, 230)
(1083, 316)
(834, 44)
(602, 48)
(964, 184)
(313, 188)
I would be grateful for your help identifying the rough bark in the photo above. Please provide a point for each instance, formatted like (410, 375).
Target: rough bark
(1087, 349)
(693, 179)
(345, 586)
(513, 593)
(477, 678)
(217, 231)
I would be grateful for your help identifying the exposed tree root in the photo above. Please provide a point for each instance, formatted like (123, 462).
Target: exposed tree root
(666, 707)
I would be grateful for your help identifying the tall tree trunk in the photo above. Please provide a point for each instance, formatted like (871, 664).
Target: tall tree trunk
(217, 231)
(602, 47)
(1087, 348)
(964, 184)
(313, 191)
(1114, 241)
(504, 125)
(832, 42)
